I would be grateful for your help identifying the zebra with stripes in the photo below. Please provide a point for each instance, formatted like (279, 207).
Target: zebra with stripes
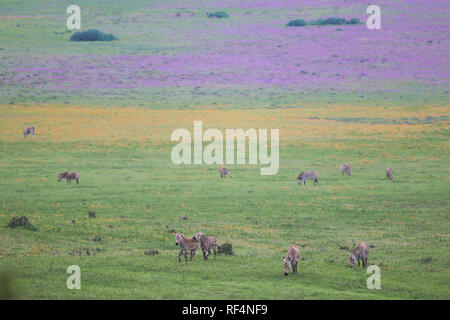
(186, 244)
(224, 172)
(28, 131)
(346, 170)
(69, 176)
(389, 173)
(207, 243)
(307, 175)
(292, 259)
(361, 252)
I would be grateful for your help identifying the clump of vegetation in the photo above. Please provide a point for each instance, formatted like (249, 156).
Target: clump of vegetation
(86, 251)
(21, 222)
(297, 23)
(323, 22)
(334, 21)
(226, 248)
(92, 214)
(151, 252)
(92, 35)
(426, 260)
(218, 14)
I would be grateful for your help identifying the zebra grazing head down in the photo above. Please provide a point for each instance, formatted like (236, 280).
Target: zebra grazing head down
(224, 172)
(351, 260)
(287, 265)
(360, 253)
(62, 176)
(28, 131)
(307, 175)
(345, 169)
(293, 256)
(69, 176)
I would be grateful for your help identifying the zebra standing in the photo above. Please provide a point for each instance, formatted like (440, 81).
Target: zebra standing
(28, 131)
(361, 252)
(307, 175)
(292, 259)
(207, 243)
(345, 169)
(389, 173)
(69, 176)
(224, 172)
(186, 244)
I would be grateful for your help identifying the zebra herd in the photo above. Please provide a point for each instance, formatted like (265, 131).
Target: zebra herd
(208, 243)
(359, 253)
(190, 245)
(345, 170)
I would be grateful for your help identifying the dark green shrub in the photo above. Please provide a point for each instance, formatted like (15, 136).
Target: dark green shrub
(323, 22)
(21, 222)
(297, 23)
(333, 21)
(92, 35)
(226, 248)
(218, 14)
(151, 252)
(355, 21)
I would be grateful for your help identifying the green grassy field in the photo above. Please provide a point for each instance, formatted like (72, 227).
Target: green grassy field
(127, 178)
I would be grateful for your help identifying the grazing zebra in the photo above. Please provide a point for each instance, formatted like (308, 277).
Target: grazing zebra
(307, 175)
(345, 169)
(28, 131)
(186, 245)
(361, 252)
(389, 173)
(207, 243)
(69, 176)
(224, 172)
(292, 259)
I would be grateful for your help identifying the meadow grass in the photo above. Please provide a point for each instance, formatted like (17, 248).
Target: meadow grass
(139, 196)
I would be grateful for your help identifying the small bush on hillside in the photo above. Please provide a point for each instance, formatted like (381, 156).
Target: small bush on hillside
(92, 35)
(218, 14)
(355, 21)
(333, 21)
(297, 23)
(151, 252)
(21, 222)
(323, 22)
(226, 248)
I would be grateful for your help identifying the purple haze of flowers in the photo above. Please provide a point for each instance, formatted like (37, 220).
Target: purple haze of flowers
(259, 50)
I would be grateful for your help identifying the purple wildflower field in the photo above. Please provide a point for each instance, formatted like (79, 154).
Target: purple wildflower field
(252, 53)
